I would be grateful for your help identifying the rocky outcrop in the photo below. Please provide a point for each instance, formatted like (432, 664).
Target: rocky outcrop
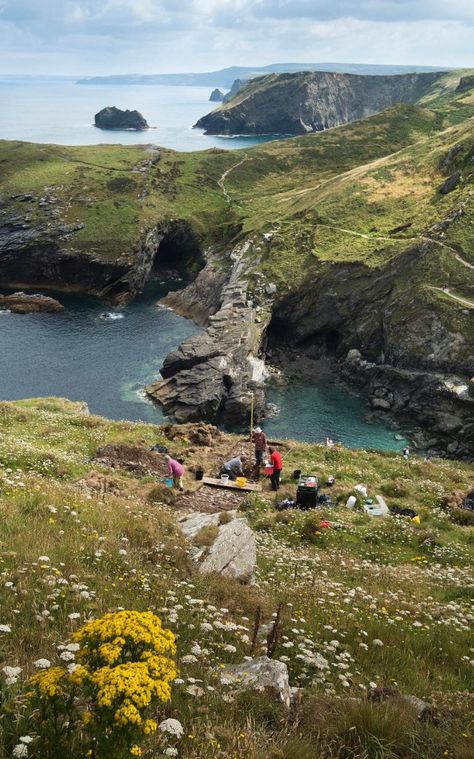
(23, 303)
(440, 403)
(228, 548)
(216, 96)
(114, 118)
(37, 250)
(466, 83)
(262, 675)
(411, 360)
(237, 85)
(311, 101)
(215, 374)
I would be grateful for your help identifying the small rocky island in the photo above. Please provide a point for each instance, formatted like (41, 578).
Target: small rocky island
(32, 303)
(216, 96)
(114, 118)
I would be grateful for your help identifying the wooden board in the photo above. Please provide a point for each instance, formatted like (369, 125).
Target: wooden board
(214, 482)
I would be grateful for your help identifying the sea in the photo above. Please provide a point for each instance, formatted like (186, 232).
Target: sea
(106, 356)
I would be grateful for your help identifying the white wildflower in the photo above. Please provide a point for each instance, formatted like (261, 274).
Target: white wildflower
(20, 750)
(172, 726)
(42, 663)
(11, 674)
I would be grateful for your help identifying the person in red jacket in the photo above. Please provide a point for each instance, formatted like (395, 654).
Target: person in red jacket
(277, 464)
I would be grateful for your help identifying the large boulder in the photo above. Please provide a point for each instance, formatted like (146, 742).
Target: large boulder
(114, 118)
(263, 675)
(228, 549)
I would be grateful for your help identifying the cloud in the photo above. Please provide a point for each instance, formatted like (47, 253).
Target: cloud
(102, 36)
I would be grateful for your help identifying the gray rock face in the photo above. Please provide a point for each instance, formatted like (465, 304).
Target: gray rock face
(233, 552)
(311, 101)
(441, 403)
(32, 303)
(114, 118)
(266, 676)
(216, 96)
(214, 374)
(450, 184)
(237, 85)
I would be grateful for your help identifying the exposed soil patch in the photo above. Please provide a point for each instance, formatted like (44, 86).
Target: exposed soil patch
(135, 459)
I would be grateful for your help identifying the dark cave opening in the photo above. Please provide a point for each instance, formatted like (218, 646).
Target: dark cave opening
(179, 250)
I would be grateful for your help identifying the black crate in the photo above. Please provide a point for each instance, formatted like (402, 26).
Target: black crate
(306, 498)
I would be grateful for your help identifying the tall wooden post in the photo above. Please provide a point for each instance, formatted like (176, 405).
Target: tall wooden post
(251, 417)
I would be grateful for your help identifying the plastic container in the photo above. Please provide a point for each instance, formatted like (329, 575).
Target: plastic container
(269, 471)
(169, 482)
(224, 479)
(241, 482)
(199, 474)
(351, 502)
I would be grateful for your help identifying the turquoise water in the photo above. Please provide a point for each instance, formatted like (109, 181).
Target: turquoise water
(60, 111)
(315, 411)
(106, 357)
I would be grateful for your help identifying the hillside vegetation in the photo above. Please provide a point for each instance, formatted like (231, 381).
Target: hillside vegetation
(375, 602)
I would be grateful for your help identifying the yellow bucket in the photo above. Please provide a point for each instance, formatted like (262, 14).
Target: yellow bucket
(241, 482)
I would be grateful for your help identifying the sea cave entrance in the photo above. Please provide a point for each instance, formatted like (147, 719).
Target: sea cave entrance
(179, 251)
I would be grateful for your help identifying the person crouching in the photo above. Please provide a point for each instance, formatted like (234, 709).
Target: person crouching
(234, 467)
(176, 471)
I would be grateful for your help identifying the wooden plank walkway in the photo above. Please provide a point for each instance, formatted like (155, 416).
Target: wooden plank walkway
(214, 482)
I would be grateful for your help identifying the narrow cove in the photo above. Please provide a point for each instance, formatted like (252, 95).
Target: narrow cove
(106, 357)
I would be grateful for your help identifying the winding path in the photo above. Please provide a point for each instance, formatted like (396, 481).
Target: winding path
(462, 301)
(221, 181)
(424, 238)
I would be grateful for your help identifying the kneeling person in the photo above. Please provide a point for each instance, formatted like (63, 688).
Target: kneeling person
(234, 467)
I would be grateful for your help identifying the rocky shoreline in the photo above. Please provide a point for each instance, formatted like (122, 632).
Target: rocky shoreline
(32, 303)
(219, 374)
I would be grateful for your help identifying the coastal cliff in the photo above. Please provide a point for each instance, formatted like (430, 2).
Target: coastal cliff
(351, 239)
(311, 101)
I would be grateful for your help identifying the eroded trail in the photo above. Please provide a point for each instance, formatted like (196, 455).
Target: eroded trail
(422, 238)
(462, 301)
(221, 181)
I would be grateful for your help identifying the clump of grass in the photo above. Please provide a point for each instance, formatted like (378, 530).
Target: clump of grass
(206, 536)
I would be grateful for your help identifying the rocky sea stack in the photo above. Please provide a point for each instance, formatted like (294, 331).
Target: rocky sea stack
(114, 118)
(216, 96)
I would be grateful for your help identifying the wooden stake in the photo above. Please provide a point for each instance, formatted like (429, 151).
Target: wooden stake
(251, 418)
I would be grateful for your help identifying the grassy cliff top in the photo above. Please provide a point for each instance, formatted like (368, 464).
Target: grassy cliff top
(375, 601)
(119, 192)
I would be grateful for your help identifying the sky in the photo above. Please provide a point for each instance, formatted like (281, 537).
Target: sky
(158, 36)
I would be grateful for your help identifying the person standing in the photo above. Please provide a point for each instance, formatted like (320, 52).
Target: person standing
(176, 471)
(277, 464)
(260, 442)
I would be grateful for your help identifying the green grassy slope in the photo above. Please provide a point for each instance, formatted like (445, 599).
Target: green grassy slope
(396, 596)
(366, 193)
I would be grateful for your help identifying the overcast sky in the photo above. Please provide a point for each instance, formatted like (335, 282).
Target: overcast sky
(157, 36)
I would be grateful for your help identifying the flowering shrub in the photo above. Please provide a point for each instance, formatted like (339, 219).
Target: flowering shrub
(101, 702)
